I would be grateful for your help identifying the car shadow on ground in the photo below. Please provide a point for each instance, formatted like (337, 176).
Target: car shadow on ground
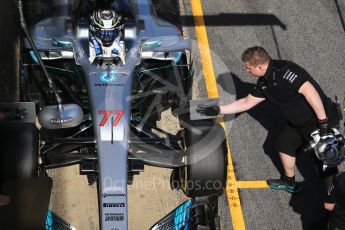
(309, 202)
(235, 19)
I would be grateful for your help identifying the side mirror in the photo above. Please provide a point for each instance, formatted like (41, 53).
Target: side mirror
(166, 44)
(164, 48)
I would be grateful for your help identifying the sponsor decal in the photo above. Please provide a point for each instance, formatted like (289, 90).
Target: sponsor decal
(112, 76)
(108, 77)
(107, 113)
(113, 205)
(114, 217)
(114, 229)
(104, 195)
(61, 121)
(108, 84)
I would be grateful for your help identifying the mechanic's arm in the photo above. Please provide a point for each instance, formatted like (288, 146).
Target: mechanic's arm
(314, 100)
(241, 105)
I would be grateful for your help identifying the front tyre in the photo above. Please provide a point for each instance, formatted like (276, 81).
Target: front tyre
(9, 47)
(205, 158)
(19, 149)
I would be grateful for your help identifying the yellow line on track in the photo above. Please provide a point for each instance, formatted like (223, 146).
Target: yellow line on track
(252, 184)
(212, 92)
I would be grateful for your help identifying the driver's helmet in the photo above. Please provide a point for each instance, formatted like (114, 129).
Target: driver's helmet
(104, 26)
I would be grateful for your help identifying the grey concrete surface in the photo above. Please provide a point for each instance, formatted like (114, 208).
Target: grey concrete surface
(309, 33)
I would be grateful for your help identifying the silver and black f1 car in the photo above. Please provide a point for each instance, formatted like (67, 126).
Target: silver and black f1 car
(98, 104)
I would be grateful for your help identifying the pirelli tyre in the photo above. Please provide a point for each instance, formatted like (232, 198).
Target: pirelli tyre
(168, 10)
(19, 148)
(205, 159)
(9, 61)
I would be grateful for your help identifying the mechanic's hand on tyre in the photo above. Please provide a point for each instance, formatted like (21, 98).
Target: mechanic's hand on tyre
(205, 110)
(13, 114)
(324, 127)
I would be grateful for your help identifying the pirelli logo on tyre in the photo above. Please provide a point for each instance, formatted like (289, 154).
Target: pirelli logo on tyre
(114, 205)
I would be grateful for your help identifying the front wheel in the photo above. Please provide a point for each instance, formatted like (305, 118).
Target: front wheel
(205, 159)
(19, 148)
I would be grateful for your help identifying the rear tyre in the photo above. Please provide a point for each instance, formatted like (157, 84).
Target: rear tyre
(168, 10)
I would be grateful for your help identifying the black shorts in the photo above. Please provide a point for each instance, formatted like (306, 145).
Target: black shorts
(293, 140)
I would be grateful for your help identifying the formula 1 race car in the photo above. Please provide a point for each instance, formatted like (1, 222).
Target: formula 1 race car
(98, 75)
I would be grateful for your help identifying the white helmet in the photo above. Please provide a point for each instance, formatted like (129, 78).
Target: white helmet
(104, 26)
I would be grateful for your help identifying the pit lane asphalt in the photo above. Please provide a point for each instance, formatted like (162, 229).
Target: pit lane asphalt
(308, 33)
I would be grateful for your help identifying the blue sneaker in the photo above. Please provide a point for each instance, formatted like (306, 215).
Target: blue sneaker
(280, 184)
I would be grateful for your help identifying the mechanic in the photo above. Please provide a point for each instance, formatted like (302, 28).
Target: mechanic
(106, 38)
(301, 99)
(335, 203)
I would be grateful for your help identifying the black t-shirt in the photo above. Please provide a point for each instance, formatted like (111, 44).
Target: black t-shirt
(336, 194)
(280, 85)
